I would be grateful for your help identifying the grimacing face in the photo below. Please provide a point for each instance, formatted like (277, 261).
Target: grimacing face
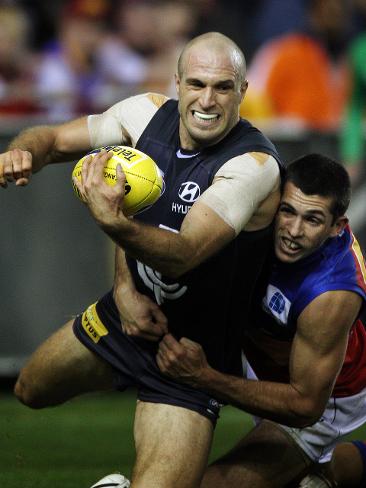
(303, 223)
(210, 94)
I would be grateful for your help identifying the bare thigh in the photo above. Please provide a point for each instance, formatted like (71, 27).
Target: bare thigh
(172, 446)
(265, 458)
(61, 368)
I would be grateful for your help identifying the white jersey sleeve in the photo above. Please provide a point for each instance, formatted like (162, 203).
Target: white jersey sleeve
(239, 187)
(124, 122)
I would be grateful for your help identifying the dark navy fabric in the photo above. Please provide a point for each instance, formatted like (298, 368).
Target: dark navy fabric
(134, 362)
(209, 304)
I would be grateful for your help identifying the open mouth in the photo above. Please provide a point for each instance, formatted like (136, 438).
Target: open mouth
(290, 246)
(205, 118)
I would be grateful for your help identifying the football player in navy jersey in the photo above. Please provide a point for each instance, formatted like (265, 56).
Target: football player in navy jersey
(303, 351)
(173, 261)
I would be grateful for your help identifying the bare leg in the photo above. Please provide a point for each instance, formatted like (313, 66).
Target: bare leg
(347, 465)
(61, 368)
(172, 446)
(266, 458)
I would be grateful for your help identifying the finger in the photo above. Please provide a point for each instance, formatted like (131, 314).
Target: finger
(160, 319)
(86, 170)
(8, 166)
(121, 181)
(172, 350)
(154, 328)
(22, 182)
(189, 344)
(150, 327)
(171, 343)
(134, 331)
(22, 164)
(27, 165)
(98, 163)
(161, 363)
(3, 182)
(80, 189)
(120, 176)
(164, 363)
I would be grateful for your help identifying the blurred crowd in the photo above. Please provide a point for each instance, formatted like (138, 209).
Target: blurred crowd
(306, 58)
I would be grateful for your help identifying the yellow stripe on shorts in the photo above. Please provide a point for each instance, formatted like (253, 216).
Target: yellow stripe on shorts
(92, 324)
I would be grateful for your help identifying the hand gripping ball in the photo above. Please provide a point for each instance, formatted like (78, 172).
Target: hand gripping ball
(144, 181)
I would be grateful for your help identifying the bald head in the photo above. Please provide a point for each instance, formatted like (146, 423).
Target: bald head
(215, 42)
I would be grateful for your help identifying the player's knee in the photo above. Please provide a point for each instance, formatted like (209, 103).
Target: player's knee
(27, 394)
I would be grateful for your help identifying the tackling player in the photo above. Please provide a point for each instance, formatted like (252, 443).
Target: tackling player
(304, 349)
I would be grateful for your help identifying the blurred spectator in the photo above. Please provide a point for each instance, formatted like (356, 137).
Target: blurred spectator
(358, 16)
(106, 51)
(16, 62)
(68, 78)
(277, 17)
(234, 18)
(143, 52)
(302, 76)
(352, 134)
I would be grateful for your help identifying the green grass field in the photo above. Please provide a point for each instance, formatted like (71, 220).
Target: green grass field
(73, 445)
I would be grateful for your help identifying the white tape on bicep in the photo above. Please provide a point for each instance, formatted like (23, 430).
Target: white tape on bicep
(239, 187)
(104, 130)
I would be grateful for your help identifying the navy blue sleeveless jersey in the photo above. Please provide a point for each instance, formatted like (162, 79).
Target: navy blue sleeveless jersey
(209, 304)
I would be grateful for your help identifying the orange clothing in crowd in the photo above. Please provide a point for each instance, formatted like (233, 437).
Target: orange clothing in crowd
(294, 77)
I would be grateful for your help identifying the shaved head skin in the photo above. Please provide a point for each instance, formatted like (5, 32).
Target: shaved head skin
(210, 85)
(216, 42)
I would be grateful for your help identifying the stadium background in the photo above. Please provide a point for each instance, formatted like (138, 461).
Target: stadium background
(54, 262)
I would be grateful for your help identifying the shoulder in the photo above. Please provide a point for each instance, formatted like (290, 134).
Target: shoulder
(253, 165)
(146, 102)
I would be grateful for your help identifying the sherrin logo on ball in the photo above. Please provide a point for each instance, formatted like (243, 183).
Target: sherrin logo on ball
(144, 181)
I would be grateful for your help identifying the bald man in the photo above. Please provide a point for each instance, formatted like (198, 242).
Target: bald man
(192, 258)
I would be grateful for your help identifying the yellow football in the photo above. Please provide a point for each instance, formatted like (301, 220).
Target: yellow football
(144, 181)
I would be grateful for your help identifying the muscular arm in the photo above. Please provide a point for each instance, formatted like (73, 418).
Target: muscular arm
(204, 230)
(37, 146)
(140, 316)
(51, 144)
(316, 358)
(202, 234)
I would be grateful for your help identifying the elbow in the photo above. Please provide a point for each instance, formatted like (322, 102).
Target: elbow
(307, 414)
(178, 265)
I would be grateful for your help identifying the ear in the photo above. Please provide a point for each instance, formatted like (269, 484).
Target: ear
(177, 83)
(338, 226)
(243, 89)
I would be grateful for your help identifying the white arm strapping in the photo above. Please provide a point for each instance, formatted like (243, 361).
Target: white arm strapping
(240, 185)
(125, 121)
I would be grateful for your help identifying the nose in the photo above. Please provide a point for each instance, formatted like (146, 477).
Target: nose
(207, 98)
(295, 227)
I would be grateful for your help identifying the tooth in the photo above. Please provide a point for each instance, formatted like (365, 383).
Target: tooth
(205, 116)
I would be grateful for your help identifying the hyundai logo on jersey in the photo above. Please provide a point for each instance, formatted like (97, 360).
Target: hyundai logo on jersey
(189, 191)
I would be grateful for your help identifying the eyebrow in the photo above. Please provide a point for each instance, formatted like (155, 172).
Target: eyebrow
(228, 82)
(308, 212)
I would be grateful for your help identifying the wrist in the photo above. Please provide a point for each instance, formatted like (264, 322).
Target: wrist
(204, 378)
(124, 287)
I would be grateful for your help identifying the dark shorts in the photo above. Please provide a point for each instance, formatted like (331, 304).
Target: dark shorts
(99, 329)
